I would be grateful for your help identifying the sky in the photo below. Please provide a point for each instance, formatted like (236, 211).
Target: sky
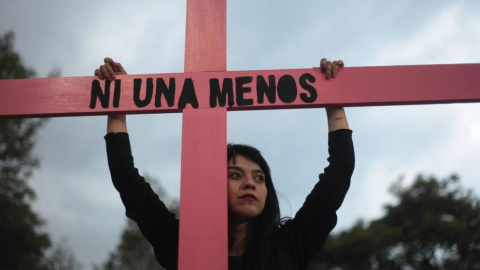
(74, 191)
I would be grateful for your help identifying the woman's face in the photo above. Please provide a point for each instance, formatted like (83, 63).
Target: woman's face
(247, 191)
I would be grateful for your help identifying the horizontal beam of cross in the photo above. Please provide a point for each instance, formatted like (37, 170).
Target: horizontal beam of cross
(240, 90)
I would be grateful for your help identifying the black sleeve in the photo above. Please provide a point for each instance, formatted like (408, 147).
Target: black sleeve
(307, 232)
(158, 225)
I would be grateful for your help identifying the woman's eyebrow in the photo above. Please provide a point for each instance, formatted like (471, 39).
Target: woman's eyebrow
(235, 168)
(242, 170)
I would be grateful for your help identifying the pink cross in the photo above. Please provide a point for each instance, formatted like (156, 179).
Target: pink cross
(206, 91)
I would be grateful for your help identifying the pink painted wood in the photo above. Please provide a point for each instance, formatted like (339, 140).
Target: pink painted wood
(355, 86)
(203, 198)
(203, 242)
(206, 36)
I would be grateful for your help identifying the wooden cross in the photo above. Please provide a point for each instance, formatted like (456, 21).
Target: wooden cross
(206, 91)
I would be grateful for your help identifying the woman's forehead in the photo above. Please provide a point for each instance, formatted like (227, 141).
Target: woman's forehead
(239, 159)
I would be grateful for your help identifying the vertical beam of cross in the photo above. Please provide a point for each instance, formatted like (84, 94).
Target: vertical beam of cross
(203, 235)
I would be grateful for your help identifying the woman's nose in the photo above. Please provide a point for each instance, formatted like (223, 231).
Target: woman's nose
(249, 183)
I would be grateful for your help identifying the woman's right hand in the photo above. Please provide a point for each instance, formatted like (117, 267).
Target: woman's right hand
(109, 69)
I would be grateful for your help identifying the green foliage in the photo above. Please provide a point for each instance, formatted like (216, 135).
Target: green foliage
(62, 258)
(134, 252)
(434, 225)
(22, 245)
(11, 66)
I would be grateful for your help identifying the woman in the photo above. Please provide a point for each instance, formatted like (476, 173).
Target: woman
(258, 238)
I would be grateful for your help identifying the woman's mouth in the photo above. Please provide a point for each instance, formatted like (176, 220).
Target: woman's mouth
(249, 197)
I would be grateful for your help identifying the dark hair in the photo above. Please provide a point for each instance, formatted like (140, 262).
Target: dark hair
(260, 239)
(271, 212)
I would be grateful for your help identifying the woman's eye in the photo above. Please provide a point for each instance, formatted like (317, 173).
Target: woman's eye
(260, 178)
(235, 175)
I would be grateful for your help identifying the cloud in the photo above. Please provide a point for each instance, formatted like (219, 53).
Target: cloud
(447, 38)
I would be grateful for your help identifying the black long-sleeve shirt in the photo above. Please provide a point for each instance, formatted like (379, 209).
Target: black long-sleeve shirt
(304, 235)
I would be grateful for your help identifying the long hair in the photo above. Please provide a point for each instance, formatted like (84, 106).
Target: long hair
(260, 239)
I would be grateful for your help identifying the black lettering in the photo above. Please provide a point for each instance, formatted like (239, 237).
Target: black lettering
(221, 95)
(287, 89)
(266, 89)
(97, 92)
(137, 84)
(240, 89)
(168, 92)
(188, 95)
(310, 89)
(116, 94)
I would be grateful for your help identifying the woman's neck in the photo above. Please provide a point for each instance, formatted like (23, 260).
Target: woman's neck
(238, 232)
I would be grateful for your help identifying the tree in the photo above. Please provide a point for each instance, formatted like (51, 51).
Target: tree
(134, 252)
(434, 225)
(11, 65)
(22, 244)
(62, 258)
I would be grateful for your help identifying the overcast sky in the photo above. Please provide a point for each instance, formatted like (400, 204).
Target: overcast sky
(75, 194)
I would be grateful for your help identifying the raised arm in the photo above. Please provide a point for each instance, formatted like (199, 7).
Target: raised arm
(308, 231)
(157, 224)
(337, 119)
(107, 71)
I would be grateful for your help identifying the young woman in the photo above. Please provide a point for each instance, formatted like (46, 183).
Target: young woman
(258, 238)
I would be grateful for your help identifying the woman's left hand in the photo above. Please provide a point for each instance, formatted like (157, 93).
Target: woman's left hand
(330, 68)
(337, 119)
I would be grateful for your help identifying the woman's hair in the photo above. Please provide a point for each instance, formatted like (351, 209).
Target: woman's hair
(271, 212)
(261, 228)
